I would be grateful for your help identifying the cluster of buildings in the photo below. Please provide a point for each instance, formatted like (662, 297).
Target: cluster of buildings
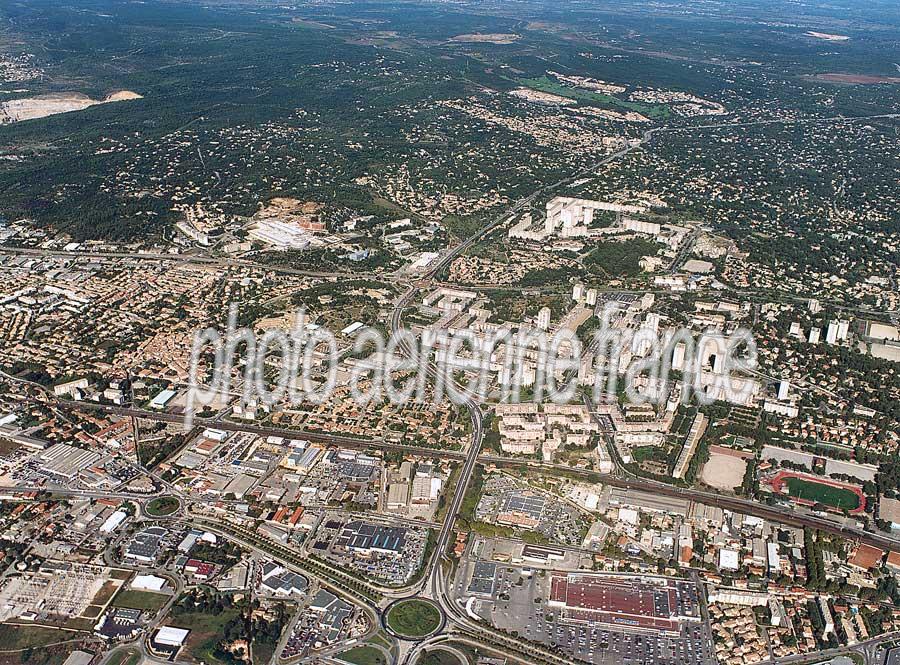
(510, 503)
(413, 490)
(324, 621)
(531, 429)
(374, 549)
(46, 300)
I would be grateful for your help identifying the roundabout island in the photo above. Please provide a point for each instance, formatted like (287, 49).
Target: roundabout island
(413, 619)
(162, 506)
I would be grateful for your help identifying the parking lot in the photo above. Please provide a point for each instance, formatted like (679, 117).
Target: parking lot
(520, 605)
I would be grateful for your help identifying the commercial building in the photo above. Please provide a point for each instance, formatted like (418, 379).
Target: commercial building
(146, 544)
(365, 538)
(639, 603)
(168, 640)
(279, 234)
(162, 399)
(113, 522)
(65, 462)
(282, 582)
(148, 583)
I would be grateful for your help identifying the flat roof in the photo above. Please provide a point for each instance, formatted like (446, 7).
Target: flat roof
(171, 636)
(163, 398)
(148, 583)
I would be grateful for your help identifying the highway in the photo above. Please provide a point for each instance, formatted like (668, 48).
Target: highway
(197, 259)
(470, 459)
(475, 411)
(434, 582)
(789, 516)
(434, 575)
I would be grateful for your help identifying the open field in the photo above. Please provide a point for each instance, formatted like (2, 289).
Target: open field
(8, 446)
(544, 84)
(363, 656)
(493, 38)
(126, 658)
(23, 637)
(724, 472)
(141, 600)
(33, 108)
(206, 632)
(858, 79)
(439, 657)
(106, 592)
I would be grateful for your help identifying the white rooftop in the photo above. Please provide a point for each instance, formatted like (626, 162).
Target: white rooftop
(148, 583)
(170, 636)
(728, 559)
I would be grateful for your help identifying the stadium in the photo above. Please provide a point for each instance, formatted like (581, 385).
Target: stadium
(810, 490)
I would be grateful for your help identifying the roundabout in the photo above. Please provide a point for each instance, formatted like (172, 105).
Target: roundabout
(162, 506)
(413, 619)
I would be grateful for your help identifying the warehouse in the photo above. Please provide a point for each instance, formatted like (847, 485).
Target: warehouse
(167, 641)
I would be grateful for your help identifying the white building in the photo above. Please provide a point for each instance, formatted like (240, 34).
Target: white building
(783, 388)
(728, 559)
(113, 522)
(69, 386)
(170, 636)
(148, 583)
(785, 409)
(843, 329)
(638, 226)
(774, 559)
(278, 234)
(543, 318)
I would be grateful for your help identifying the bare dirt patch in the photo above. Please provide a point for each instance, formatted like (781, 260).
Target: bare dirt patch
(826, 36)
(42, 106)
(313, 24)
(723, 472)
(486, 38)
(857, 79)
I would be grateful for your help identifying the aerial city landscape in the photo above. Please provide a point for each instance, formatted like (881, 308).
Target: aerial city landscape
(449, 332)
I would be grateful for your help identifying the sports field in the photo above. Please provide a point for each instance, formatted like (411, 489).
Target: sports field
(836, 497)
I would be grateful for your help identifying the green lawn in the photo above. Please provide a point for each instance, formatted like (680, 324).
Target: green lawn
(438, 657)
(141, 600)
(644, 453)
(363, 656)
(413, 618)
(162, 506)
(24, 637)
(126, 658)
(836, 497)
